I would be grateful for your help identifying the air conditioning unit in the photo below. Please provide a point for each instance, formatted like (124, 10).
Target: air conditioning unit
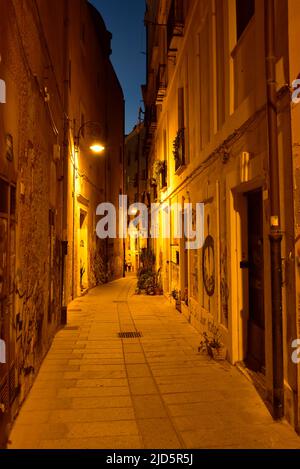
(56, 152)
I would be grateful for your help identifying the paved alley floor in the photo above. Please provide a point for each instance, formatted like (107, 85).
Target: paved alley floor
(95, 390)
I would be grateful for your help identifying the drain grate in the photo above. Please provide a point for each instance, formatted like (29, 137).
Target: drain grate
(129, 335)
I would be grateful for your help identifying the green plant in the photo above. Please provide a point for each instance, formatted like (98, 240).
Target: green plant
(158, 168)
(146, 282)
(147, 259)
(176, 294)
(211, 342)
(149, 281)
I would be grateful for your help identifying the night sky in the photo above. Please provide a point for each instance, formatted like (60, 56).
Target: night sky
(124, 19)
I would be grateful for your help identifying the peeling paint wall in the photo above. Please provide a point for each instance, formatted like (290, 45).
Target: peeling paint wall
(58, 75)
(30, 298)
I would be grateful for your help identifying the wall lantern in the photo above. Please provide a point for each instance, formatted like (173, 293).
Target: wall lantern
(96, 147)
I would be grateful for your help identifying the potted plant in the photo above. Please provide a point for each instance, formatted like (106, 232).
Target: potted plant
(212, 344)
(174, 294)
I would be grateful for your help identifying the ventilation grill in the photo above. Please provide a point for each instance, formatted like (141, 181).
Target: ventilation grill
(71, 328)
(120, 301)
(129, 335)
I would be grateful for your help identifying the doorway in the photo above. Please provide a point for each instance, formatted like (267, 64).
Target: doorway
(83, 251)
(8, 384)
(255, 353)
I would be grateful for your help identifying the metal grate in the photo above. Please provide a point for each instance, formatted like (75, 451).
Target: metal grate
(129, 335)
(120, 301)
(71, 328)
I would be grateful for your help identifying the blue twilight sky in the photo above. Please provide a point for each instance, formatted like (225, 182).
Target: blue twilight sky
(125, 20)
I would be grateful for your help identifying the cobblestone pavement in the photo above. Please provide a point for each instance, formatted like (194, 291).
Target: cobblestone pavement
(95, 390)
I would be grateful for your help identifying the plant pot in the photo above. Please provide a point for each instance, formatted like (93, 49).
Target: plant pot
(219, 353)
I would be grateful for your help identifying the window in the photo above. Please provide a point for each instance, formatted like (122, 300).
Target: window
(12, 200)
(245, 10)
(163, 176)
(175, 24)
(181, 108)
(179, 142)
(4, 190)
(164, 182)
(220, 56)
(205, 81)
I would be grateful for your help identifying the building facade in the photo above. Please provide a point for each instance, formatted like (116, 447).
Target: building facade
(135, 171)
(60, 95)
(222, 122)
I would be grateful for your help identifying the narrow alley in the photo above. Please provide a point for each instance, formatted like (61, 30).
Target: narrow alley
(97, 390)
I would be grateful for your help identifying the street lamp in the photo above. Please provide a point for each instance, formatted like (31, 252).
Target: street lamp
(96, 147)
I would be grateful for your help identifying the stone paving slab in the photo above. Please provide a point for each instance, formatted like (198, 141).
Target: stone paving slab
(98, 391)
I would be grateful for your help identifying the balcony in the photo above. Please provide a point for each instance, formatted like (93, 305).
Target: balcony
(179, 150)
(160, 170)
(151, 118)
(175, 25)
(161, 83)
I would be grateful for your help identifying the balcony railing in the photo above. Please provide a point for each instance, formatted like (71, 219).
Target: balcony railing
(151, 117)
(179, 149)
(161, 83)
(175, 24)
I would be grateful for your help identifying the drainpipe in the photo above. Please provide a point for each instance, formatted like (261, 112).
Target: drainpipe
(64, 247)
(275, 235)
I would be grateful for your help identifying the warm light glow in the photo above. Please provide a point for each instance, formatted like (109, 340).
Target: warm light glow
(133, 211)
(97, 148)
